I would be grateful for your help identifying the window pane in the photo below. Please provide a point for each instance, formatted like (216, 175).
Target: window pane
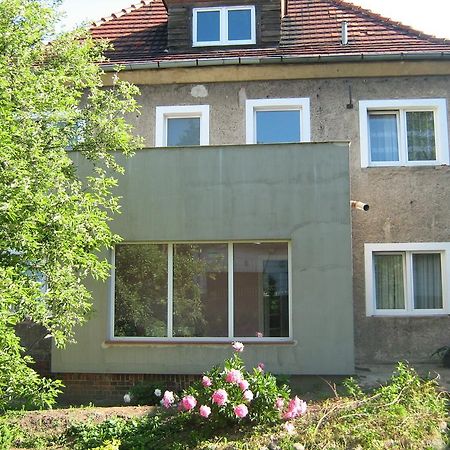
(183, 131)
(239, 25)
(208, 26)
(277, 126)
(200, 293)
(389, 285)
(383, 137)
(427, 281)
(261, 290)
(140, 304)
(420, 132)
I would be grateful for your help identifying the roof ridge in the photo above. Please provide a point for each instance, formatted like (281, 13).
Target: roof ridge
(120, 13)
(387, 20)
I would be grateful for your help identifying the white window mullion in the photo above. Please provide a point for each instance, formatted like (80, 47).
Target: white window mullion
(170, 290)
(409, 283)
(230, 290)
(223, 25)
(403, 138)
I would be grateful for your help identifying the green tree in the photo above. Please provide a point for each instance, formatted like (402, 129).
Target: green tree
(53, 225)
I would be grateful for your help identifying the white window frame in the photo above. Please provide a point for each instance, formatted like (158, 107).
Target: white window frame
(223, 24)
(231, 336)
(401, 107)
(406, 249)
(277, 104)
(188, 111)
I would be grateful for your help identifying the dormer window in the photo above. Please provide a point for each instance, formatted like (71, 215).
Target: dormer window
(227, 25)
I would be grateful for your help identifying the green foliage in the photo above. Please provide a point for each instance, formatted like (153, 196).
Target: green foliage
(144, 393)
(405, 413)
(109, 445)
(263, 385)
(21, 386)
(52, 224)
(9, 432)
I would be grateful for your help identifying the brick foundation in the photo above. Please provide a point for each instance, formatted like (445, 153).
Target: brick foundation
(109, 388)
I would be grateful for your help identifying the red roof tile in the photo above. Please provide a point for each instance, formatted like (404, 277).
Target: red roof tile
(309, 28)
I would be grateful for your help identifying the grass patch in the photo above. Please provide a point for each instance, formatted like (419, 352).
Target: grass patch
(406, 413)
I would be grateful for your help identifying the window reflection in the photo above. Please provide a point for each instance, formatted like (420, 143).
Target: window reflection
(261, 290)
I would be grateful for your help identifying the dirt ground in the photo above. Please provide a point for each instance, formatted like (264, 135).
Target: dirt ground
(59, 420)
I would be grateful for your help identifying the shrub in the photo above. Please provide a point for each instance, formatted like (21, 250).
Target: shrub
(231, 395)
(148, 393)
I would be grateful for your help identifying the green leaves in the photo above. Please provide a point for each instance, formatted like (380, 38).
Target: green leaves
(53, 224)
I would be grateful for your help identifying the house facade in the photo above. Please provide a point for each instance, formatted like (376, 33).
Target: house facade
(262, 120)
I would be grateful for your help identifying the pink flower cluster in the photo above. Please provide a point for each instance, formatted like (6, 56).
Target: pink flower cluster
(240, 410)
(220, 397)
(233, 376)
(296, 408)
(168, 399)
(189, 402)
(238, 347)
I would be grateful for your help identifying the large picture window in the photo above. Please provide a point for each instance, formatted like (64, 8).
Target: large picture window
(406, 279)
(403, 132)
(209, 291)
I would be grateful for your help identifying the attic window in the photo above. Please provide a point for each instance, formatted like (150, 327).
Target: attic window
(227, 25)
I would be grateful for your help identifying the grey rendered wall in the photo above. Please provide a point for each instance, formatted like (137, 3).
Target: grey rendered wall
(298, 192)
(407, 204)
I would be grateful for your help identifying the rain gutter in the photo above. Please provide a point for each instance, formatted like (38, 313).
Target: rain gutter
(248, 60)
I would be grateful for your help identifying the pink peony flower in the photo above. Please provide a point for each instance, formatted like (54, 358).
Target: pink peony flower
(260, 367)
(240, 410)
(243, 384)
(279, 404)
(220, 397)
(238, 346)
(259, 334)
(233, 376)
(248, 395)
(205, 411)
(289, 427)
(167, 399)
(206, 381)
(189, 402)
(295, 409)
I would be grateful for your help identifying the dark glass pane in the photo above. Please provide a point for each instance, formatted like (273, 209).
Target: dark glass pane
(261, 290)
(183, 131)
(239, 25)
(383, 137)
(389, 283)
(208, 26)
(277, 126)
(420, 131)
(427, 281)
(140, 303)
(200, 290)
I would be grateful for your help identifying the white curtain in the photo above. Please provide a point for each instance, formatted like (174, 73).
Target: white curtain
(427, 281)
(420, 132)
(389, 285)
(383, 137)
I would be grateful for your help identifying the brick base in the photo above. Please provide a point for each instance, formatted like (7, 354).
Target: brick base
(109, 388)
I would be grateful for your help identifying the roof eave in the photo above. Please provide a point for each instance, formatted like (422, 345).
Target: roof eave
(287, 59)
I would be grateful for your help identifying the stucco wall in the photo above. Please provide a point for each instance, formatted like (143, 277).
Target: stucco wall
(407, 204)
(295, 192)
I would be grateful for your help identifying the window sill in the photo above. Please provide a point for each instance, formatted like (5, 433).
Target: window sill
(410, 316)
(162, 342)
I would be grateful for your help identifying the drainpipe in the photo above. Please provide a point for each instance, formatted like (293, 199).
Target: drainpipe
(359, 205)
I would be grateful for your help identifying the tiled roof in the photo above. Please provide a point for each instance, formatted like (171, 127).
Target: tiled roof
(310, 28)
